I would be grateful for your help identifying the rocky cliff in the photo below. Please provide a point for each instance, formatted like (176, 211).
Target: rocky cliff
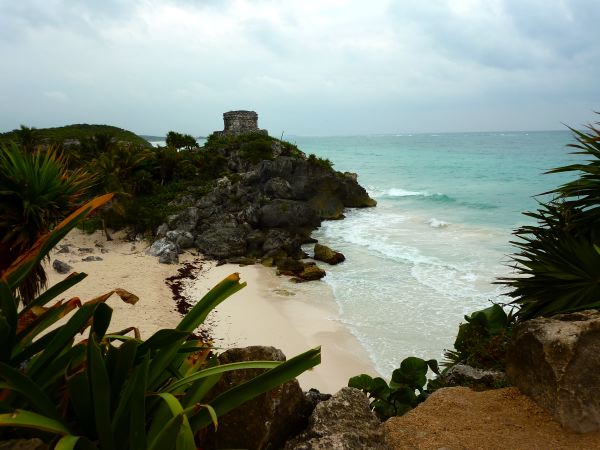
(267, 206)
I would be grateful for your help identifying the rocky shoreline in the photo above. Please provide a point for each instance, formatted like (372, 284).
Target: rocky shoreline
(263, 211)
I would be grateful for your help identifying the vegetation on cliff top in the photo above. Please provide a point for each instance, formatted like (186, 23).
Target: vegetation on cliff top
(80, 132)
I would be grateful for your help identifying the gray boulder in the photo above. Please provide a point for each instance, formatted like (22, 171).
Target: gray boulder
(556, 361)
(344, 422)
(464, 375)
(61, 267)
(183, 239)
(161, 246)
(268, 420)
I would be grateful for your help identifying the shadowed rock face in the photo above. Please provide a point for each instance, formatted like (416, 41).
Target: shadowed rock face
(556, 361)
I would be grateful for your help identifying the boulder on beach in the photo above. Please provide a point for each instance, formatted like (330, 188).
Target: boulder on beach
(61, 267)
(325, 254)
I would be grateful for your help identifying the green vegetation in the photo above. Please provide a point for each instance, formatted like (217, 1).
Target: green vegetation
(147, 181)
(483, 340)
(405, 391)
(179, 141)
(112, 390)
(35, 190)
(558, 260)
(257, 151)
(323, 162)
(79, 132)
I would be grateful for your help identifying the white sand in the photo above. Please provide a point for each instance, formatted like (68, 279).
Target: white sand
(269, 311)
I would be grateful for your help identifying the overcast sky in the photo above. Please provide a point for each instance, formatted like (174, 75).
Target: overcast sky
(307, 67)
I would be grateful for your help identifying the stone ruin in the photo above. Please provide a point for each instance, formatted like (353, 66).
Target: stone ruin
(240, 122)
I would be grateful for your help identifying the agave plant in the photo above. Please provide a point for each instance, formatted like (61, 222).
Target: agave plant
(558, 260)
(35, 191)
(113, 390)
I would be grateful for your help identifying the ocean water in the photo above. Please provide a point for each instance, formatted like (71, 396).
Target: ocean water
(439, 237)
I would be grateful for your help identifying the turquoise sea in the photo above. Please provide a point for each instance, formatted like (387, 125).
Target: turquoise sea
(430, 251)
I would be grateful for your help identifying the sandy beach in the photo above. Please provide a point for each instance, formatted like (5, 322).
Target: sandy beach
(270, 310)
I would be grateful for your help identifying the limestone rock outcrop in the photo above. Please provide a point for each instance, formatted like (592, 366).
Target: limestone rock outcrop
(266, 207)
(344, 422)
(556, 361)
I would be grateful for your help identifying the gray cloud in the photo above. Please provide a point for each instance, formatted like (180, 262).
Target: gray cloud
(341, 66)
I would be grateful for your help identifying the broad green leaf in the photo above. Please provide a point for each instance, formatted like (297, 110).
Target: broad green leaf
(64, 337)
(124, 357)
(34, 348)
(67, 442)
(78, 387)
(30, 390)
(221, 369)
(101, 321)
(100, 389)
(137, 405)
(184, 437)
(258, 385)
(363, 382)
(26, 419)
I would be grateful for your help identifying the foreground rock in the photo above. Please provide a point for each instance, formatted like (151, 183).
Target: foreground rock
(499, 419)
(556, 361)
(265, 422)
(344, 422)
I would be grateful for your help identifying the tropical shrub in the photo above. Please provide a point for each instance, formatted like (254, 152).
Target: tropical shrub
(482, 340)
(323, 162)
(405, 390)
(257, 151)
(558, 261)
(112, 390)
(179, 141)
(36, 188)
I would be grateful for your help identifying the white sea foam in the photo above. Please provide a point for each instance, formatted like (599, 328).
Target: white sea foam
(436, 223)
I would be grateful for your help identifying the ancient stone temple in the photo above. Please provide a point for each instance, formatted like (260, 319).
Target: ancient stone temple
(240, 122)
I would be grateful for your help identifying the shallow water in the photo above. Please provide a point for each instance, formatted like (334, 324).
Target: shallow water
(430, 251)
